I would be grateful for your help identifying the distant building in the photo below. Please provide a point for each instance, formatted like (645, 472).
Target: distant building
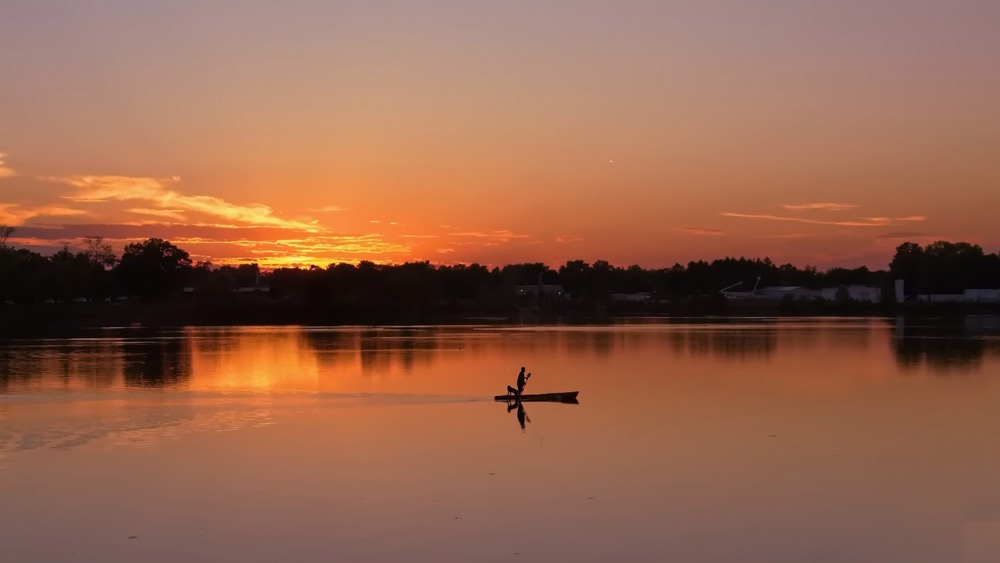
(967, 296)
(780, 292)
(982, 295)
(859, 293)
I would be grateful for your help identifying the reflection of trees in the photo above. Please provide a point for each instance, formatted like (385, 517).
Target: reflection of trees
(100, 364)
(603, 343)
(599, 342)
(333, 348)
(160, 363)
(60, 365)
(946, 347)
(378, 348)
(12, 375)
(732, 344)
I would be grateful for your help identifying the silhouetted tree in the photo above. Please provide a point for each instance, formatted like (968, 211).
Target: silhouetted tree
(152, 268)
(99, 252)
(5, 232)
(944, 267)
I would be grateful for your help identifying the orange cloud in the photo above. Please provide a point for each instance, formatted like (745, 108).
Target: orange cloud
(499, 236)
(894, 220)
(175, 214)
(706, 232)
(98, 189)
(5, 172)
(307, 250)
(865, 222)
(823, 206)
(12, 214)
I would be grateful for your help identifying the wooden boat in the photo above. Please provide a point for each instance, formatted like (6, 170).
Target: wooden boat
(565, 397)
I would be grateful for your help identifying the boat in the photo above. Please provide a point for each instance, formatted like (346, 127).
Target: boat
(564, 397)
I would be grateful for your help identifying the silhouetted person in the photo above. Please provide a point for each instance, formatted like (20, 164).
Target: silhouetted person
(521, 381)
(521, 415)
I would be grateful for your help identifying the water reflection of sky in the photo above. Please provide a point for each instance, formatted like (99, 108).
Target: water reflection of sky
(764, 440)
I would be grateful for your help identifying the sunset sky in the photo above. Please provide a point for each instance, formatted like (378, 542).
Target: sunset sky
(309, 132)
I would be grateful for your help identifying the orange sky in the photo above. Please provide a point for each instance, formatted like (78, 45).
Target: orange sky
(639, 132)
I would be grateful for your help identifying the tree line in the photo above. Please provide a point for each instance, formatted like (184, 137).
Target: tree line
(155, 270)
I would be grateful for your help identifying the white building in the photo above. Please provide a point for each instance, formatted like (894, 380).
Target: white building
(859, 293)
(982, 295)
(967, 296)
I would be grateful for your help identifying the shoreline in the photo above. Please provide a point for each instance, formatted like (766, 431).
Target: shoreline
(54, 319)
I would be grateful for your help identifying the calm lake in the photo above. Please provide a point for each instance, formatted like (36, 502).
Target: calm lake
(731, 440)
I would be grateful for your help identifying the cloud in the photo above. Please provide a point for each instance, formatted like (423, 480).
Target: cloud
(168, 231)
(565, 239)
(822, 206)
(864, 222)
(331, 209)
(98, 189)
(499, 236)
(903, 234)
(12, 214)
(706, 232)
(893, 220)
(5, 171)
(175, 214)
(445, 250)
(271, 247)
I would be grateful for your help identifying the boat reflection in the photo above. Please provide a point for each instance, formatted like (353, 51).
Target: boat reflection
(517, 403)
(521, 415)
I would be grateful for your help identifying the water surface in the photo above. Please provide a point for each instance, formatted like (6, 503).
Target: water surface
(728, 440)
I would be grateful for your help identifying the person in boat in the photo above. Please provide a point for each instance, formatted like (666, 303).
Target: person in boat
(521, 381)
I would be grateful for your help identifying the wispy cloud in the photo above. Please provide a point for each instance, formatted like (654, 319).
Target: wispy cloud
(903, 234)
(565, 239)
(5, 171)
(97, 189)
(864, 222)
(498, 236)
(13, 214)
(822, 206)
(894, 220)
(445, 250)
(175, 214)
(704, 232)
(331, 209)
